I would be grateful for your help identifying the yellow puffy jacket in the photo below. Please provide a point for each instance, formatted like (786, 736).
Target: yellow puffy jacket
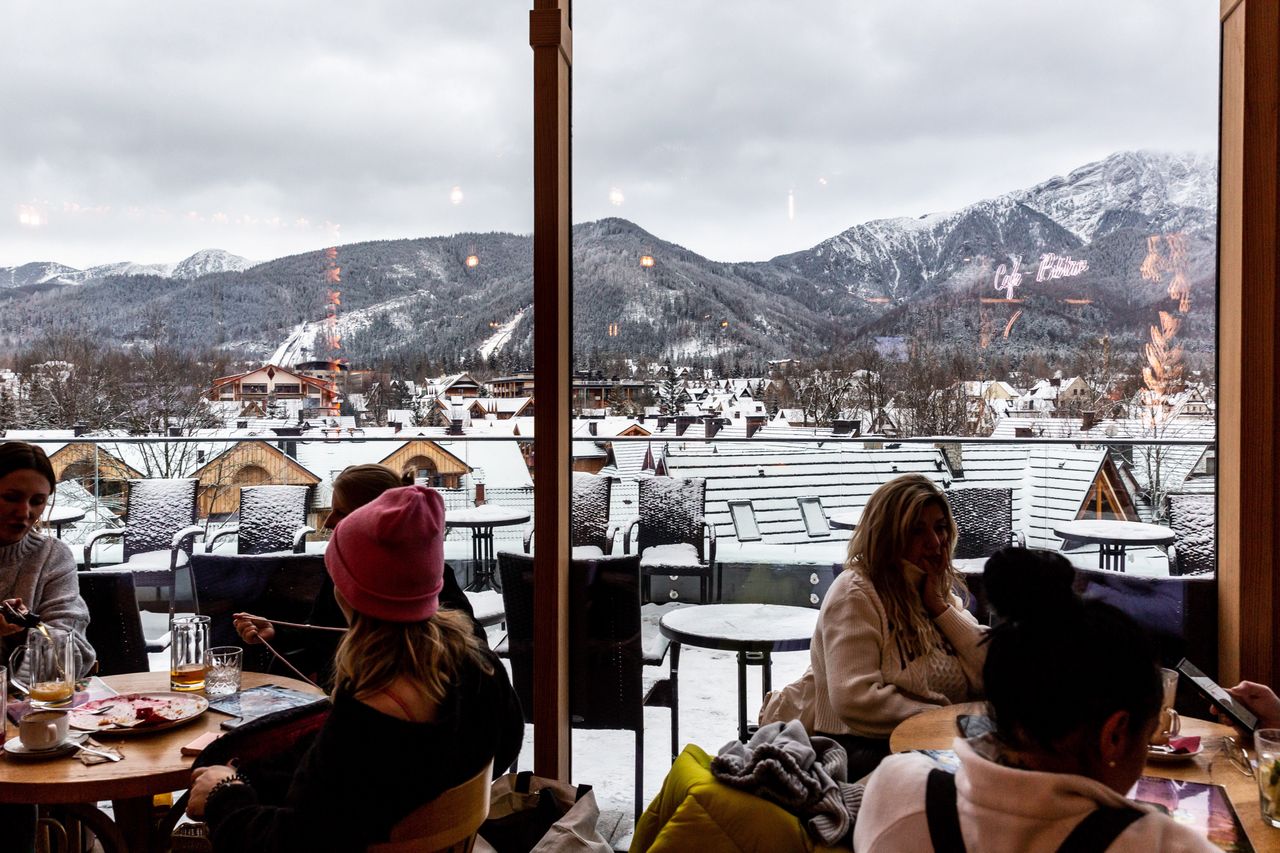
(695, 812)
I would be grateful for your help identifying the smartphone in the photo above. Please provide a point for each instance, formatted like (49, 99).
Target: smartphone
(13, 617)
(1211, 690)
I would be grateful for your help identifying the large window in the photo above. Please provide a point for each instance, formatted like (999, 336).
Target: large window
(866, 243)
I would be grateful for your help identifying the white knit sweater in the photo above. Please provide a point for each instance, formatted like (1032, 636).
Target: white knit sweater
(862, 685)
(41, 571)
(1002, 810)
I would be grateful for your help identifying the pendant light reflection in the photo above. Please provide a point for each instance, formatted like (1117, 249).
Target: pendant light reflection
(455, 195)
(646, 261)
(472, 261)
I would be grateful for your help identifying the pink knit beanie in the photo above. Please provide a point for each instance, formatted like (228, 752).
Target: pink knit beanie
(387, 557)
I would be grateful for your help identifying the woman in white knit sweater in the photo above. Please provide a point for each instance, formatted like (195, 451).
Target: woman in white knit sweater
(893, 639)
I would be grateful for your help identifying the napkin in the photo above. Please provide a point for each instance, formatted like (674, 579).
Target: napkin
(1184, 745)
(88, 759)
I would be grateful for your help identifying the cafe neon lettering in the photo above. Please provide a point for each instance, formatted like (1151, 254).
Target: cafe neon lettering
(1052, 266)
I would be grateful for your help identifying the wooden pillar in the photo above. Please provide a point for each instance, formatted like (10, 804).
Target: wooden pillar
(1248, 319)
(551, 40)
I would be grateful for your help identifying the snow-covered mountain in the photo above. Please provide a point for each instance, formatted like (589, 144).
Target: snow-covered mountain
(927, 277)
(1151, 190)
(48, 273)
(1135, 190)
(208, 261)
(39, 273)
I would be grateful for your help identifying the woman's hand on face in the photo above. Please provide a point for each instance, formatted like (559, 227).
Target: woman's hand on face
(935, 592)
(202, 781)
(8, 629)
(253, 629)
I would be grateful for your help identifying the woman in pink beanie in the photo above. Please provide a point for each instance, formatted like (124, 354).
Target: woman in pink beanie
(419, 705)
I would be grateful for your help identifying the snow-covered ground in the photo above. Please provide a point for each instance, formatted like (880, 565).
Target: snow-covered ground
(499, 339)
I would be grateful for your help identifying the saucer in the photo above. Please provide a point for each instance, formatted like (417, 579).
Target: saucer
(1161, 757)
(17, 749)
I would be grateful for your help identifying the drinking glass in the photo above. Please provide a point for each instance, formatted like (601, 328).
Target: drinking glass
(1169, 724)
(49, 666)
(189, 641)
(1267, 744)
(4, 702)
(224, 667)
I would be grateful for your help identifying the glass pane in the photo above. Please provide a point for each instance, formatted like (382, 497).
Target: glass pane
(869, 244)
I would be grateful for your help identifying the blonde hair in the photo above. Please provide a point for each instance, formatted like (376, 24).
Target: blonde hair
(373, 653)
(879, 545)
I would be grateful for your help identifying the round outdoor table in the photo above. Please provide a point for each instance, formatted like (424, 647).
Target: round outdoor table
(153, 764)
(936, 729)
(754, 631)
(1113, 537)
(482, 520)
(59, 516)
(844, 519)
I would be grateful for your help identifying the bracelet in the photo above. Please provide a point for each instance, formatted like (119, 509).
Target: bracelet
(236, 778)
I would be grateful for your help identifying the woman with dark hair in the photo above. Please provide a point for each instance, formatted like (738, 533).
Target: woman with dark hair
(1074, 690)
(37, 572)
(892, 638)
(419, 704)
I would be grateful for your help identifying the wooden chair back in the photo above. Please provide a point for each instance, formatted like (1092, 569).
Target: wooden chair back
(447, 824)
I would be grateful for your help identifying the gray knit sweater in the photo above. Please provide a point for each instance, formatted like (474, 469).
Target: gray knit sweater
(42, 572)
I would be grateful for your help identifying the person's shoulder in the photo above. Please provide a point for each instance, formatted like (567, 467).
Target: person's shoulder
(893, 802)
(48, 550)
(1159, 831)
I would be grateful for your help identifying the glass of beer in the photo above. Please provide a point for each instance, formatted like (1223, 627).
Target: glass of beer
(47, 663)
(189, 641)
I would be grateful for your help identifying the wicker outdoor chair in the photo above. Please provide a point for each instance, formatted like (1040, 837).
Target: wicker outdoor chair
(607, 654)
(984, 518)
(272, 519)
(674, 538)
(158, 534)
(590, 533)
(1194, 549)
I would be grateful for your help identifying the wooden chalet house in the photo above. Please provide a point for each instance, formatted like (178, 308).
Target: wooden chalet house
(259, 388)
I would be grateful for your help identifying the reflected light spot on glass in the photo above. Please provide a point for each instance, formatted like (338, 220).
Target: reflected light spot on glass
(472, 261)
(616, 198)
(31, 217)
(646, 261)
(822, 182)
(791, 205)
(455, 196)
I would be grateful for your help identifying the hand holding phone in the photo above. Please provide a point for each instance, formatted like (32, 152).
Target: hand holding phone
(1241, 716)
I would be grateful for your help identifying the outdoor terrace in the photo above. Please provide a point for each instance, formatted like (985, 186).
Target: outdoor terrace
(787, 558)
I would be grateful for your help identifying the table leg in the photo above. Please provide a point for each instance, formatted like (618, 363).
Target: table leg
(742, 696)
(766, 674)
(675, 700)
(133, 818)
(1111, 556)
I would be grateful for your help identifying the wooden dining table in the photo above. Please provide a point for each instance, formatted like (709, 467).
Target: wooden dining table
(936, 729)
(153, 764)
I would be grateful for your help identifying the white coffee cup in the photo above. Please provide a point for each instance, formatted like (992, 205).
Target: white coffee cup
(43, 729)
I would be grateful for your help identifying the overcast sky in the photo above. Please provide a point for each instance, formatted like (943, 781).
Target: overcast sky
(147, 131)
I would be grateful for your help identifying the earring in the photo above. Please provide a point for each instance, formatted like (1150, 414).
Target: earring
(1111, 764)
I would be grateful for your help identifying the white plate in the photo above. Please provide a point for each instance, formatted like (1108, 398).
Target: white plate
(1159, 756)
(170, 709)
